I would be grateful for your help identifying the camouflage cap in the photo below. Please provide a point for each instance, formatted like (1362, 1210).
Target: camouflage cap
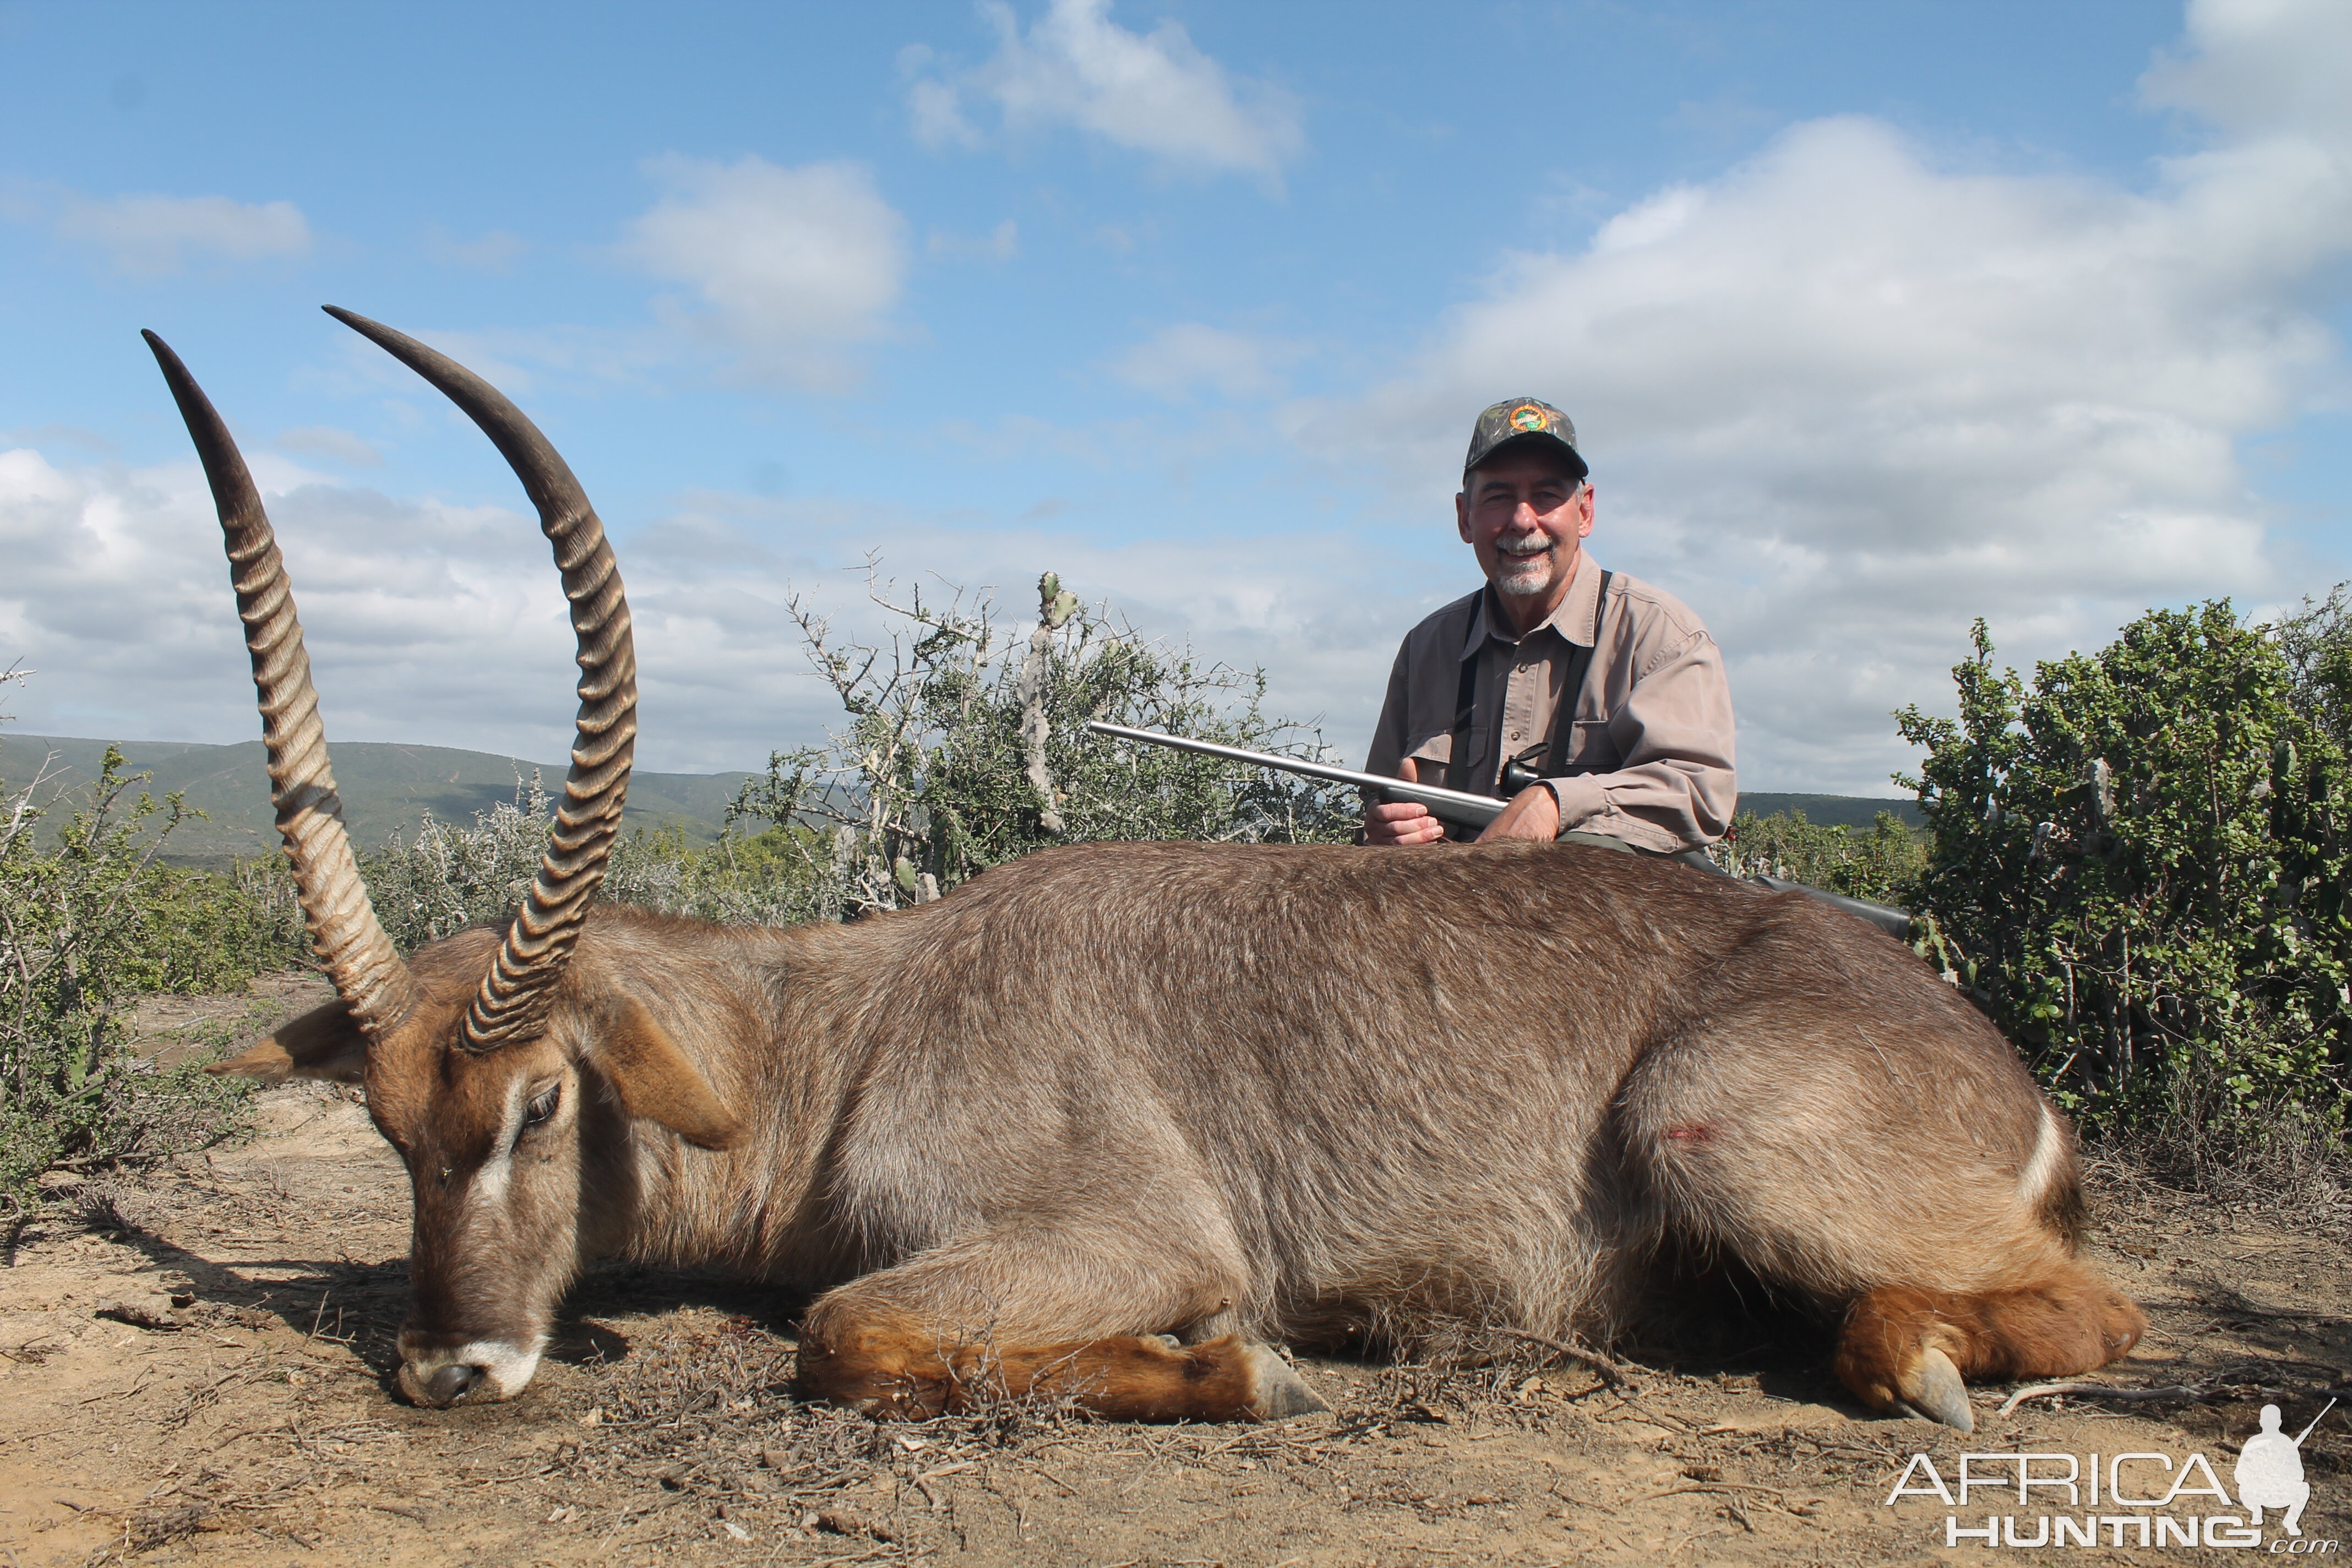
(1521, 419)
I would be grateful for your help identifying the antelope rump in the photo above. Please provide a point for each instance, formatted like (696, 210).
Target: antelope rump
(1109, 1123)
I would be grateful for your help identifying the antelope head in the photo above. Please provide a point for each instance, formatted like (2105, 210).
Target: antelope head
(487, 1056)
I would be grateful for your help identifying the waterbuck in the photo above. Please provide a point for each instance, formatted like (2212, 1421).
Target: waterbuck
(1104, 1122)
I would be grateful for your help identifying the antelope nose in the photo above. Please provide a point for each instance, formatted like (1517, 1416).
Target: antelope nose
(452, 1382)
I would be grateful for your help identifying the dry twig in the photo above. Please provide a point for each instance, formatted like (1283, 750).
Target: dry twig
(2098, 1390)
(1611, 1370)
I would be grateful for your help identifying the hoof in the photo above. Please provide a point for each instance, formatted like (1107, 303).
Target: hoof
(1933, 1391)
(1278, 1392)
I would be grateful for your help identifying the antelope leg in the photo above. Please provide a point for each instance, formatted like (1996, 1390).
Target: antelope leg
(1091, 1311)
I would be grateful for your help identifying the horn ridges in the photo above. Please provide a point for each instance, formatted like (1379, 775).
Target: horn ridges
(512, 1000)
(350, 943)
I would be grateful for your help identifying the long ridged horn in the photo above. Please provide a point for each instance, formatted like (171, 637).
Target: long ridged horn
(368, 973)
(514, 996)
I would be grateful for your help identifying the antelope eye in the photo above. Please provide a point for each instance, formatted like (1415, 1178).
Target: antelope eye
(543, 1106)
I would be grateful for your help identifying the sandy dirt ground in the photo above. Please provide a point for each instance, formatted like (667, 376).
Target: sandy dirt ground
(195, 1361)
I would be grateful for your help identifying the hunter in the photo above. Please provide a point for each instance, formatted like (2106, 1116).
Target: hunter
(1593, 702)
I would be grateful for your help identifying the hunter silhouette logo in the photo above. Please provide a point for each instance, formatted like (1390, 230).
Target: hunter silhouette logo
(2270, 1471)
(2143, 1498)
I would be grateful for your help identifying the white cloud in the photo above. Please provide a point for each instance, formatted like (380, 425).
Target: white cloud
(155, 236)
(1153, 93)
(424, 622)
(790, 268)
(2257, 67)
(1844, 400)
(1179, 359)
(440, 624)
(118, 580)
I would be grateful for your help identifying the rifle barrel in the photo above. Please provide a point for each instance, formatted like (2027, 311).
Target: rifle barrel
(1446, 804)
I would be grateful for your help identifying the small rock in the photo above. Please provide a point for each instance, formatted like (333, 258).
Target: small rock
(152, 1310)
(842, 1522)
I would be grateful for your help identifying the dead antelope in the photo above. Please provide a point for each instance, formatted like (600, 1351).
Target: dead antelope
(1104, 1122)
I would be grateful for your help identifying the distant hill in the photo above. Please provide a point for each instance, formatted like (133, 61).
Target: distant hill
(1838, 810)
(383, 788)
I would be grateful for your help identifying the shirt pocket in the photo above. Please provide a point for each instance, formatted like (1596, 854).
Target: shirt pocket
(1437, 748)
(1593, 750)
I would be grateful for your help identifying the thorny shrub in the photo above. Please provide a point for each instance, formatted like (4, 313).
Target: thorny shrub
(87, 926)
(2136, 866)
(966, 746)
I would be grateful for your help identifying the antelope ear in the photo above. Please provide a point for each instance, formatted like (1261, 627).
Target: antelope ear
(657, 1083)
(323, 1043)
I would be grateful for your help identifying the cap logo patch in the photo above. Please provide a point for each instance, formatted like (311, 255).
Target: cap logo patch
(1528, 416)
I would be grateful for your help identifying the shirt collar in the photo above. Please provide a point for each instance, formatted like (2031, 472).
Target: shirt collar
(1572, 619)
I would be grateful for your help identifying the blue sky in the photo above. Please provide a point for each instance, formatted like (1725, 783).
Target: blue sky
(1874, 317)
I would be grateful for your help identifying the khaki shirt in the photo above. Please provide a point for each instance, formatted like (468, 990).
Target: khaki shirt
(1651, 759)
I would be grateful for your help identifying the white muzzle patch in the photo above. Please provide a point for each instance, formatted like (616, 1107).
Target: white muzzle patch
(499, 1370)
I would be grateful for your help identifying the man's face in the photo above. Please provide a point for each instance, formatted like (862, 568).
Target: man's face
(1523, 514)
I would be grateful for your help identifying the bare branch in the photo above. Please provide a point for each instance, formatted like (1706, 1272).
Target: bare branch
(2097, 1390)
(1611, 1370)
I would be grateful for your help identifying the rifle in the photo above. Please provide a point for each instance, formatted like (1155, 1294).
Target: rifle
(1475, 811)
(1446, 804)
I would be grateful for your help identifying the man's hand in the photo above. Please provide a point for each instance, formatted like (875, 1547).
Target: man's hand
(1403, 822)
(1534, 812)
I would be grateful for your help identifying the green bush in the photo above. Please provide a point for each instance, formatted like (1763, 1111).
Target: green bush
(445, 878)
(85, 927)
(1882, 864)
(2138, 868)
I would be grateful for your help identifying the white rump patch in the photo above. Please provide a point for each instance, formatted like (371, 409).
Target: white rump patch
(2042, 1170)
